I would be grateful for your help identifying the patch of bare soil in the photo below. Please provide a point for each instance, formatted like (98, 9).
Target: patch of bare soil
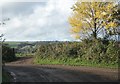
(22, 60)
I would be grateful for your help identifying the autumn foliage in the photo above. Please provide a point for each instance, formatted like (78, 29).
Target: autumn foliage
(89, 19)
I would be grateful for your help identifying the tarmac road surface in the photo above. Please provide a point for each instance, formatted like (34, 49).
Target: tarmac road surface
(59, 73)
(26, 72)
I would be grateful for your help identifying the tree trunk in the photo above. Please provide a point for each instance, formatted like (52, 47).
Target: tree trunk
(94, 35)
(95, 30)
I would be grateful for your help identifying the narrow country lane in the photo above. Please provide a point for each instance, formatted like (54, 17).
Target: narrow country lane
(59, 73)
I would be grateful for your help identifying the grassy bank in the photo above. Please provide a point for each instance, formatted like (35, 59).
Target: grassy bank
(74, 62)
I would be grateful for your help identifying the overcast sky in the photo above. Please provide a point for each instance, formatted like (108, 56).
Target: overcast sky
(44, 20)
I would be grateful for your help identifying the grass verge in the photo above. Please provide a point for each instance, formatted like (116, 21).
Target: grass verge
(75, 62)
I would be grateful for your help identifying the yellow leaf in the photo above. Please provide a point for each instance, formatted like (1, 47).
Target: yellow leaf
(112, 24)
(97, 14)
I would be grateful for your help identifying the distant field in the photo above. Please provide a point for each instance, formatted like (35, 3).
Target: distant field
(13, 44)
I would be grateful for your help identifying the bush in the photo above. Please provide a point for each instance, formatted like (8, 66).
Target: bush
(8, 54)
(112, 52)
(94, 51)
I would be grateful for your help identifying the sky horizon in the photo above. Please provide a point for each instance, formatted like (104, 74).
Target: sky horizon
(42, 21)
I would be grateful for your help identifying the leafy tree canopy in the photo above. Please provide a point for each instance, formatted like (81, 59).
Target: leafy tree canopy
(90, 18)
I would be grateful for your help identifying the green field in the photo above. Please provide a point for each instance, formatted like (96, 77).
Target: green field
(12, 44)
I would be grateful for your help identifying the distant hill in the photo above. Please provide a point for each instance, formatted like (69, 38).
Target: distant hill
(16, 44)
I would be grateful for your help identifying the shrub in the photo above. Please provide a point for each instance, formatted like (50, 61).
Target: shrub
(94, 51)
(8, 54)
(112, 52)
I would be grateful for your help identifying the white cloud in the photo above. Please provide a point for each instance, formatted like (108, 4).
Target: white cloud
(48, 22)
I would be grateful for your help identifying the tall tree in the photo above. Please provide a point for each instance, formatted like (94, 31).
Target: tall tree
(90, 18)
